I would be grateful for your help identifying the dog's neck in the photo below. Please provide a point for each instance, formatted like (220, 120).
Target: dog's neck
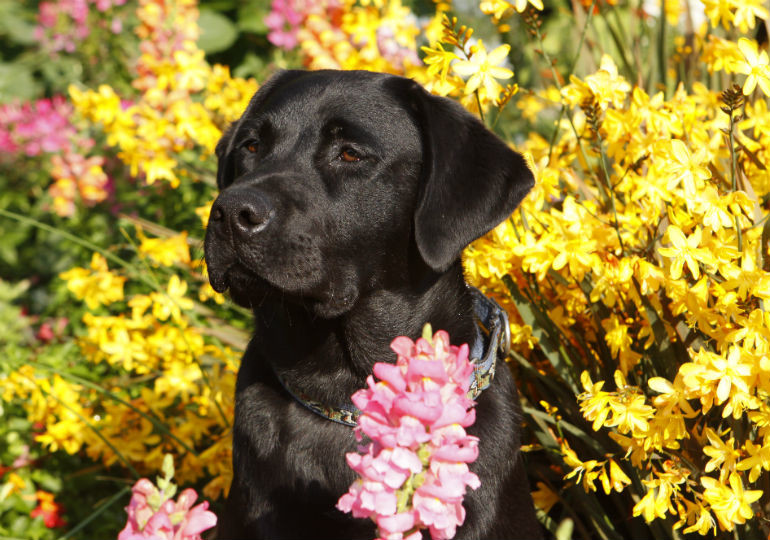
(334, 356)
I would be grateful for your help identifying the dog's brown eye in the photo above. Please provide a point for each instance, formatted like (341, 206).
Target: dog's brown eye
(349, 155)
(252, 147)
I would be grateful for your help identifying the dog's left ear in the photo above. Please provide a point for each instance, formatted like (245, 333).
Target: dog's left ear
(472, 180)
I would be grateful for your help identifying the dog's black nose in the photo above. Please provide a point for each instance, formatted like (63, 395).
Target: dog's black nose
(246, 212)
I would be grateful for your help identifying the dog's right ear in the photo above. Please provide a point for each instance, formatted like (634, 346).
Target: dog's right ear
(225, 146)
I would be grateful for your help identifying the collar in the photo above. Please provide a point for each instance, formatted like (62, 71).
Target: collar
(492, 341)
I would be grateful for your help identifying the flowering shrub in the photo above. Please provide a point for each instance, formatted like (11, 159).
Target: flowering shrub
(44, 128)
(637, 272)
(63, 24)
(414, 468)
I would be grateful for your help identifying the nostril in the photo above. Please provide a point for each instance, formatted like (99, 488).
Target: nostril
(248, 219)
(216, 214)
(252, 221)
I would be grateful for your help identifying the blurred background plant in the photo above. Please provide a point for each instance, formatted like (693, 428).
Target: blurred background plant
(637, 272)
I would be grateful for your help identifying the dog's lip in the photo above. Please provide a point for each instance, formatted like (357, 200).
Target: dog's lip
(221, 281)
(218, 281)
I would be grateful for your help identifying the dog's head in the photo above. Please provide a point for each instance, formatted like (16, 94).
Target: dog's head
(333, 182)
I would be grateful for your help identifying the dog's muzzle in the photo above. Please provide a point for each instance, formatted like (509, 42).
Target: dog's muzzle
(237, 224)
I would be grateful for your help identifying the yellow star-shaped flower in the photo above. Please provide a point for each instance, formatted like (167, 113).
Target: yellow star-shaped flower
(482, 70)
(755, 65)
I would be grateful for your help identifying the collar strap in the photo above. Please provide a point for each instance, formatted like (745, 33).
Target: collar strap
(492, 341)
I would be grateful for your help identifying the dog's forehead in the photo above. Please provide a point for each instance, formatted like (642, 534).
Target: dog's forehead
(317, 97)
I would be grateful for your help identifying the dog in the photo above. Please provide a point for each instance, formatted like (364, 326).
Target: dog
(346, 199)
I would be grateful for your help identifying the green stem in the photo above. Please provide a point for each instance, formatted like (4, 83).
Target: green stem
(610, 190)
(481, 111)
(555, 76)
(571, 69)
(619, 43)
(80, 241)
(662, 47)
(734, 174)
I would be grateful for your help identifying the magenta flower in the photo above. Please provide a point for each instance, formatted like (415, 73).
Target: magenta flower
(154, 515)
(284, 21)
(413, 473)
(36, 127)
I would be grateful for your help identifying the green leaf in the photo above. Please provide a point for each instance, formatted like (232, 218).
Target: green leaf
(251, 17)
(16, 82)
(218, 33)
(15, 23)
(251, 66)
(545, 331)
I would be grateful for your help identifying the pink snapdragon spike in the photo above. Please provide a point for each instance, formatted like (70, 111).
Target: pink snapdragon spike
(154, 515)
(413, 470)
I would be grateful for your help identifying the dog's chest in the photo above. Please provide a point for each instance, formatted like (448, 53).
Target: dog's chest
(277, 442)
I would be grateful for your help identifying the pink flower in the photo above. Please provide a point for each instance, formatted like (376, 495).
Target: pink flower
(284, 21)
(154, 515)
(36, 127)
(395, 525)
(414, 471)
(440, 517)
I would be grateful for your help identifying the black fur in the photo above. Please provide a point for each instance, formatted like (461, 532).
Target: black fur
(336, 258)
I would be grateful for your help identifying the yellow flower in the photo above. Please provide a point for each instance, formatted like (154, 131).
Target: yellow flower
(165, 251)
(662, 488)
(587, 471)
(723, 455)
(522, 335)
(631, 415)
(755, 66)
(606, 86)
(719, 10)
(497, 8)
(521, 5)
(594, 403)
(616, 336)
(685, 250)
(715, 209)
(700, 518)
(97, 286)
(544, 497)
(758, 460)
(731, 505)
(746, 13)
(438, 61)
(172, 302)
(14, 484)
(656, 503)
(482, 70)
(615, 478)
(733, 373)
(686, 170)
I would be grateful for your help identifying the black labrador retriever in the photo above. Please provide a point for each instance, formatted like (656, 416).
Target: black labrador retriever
(346, 201)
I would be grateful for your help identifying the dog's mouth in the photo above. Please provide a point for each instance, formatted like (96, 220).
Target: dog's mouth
(235, 277)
